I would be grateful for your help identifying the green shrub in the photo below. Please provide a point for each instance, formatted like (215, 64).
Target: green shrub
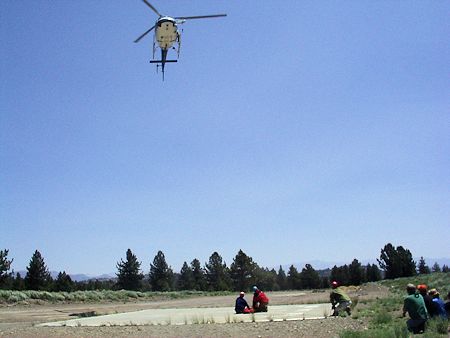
(394, 331)
(59, 297)
(5, 294)
(382, 318)
(33, 294)
(80, 296)
(45, 295)
(93, 296)
(437, 325)
(131, 294)
(16, 296)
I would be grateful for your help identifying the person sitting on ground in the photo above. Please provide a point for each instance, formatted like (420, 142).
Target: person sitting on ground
(440, 305)
(260, 300)
(431, 306)
(242, 305)
(415, 306)
(339, 299)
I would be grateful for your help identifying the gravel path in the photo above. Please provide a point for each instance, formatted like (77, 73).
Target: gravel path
(329, 327)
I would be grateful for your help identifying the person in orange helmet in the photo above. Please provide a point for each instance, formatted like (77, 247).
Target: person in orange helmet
(431, 307)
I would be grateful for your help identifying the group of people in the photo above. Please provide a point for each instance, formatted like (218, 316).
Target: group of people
(260, 302)
(421, 305)
(340, 301)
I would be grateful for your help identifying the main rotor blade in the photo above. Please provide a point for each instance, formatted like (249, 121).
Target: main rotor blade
(199, 16)
(151, 6)
(139, 38)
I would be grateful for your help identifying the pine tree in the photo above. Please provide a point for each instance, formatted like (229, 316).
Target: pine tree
(356, 273)
(445, 268)
(293, 278)
(436, 267)
(422, 267)
(281, 279)
(265, 279)
(64, 282)
(271, 280)
(373, 273)
(18, 283)
(407, 263)
(217, 273)
(161, 275)
(324, 282)
(38, 276)
(396, 262)
(242, 272)
(340, 274)
(389, 262)
(186, 279)
(129, 276)
(5, 265)
(200, 283)
(309, 278)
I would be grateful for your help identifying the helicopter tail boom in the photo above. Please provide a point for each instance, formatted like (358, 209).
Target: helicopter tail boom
(161, 61)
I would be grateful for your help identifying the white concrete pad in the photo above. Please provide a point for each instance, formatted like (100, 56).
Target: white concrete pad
(200, 316)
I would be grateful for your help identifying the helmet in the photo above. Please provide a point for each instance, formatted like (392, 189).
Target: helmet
(433, 292)
(410, 288)
(422, 287)
(334, 284)
(255, 288)
(242, 293)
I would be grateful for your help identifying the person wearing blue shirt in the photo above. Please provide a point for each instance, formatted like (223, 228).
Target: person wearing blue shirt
(440, 305)
(242, 305)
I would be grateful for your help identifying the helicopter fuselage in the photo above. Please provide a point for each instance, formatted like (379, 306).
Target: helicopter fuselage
(166, 32)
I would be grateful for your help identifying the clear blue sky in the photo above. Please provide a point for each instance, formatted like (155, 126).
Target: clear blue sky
(295, 131)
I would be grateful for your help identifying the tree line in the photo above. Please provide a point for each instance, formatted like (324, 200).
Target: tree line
(215, 275)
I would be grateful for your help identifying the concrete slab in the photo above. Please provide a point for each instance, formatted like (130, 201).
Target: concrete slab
(200, 316)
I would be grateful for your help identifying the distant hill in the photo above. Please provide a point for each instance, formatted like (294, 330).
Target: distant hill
(77, 277)
(82, 277)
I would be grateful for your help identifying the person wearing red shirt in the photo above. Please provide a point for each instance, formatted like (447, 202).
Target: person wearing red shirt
(260, 300)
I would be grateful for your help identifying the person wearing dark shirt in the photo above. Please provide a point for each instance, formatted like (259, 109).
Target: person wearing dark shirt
(242, 305)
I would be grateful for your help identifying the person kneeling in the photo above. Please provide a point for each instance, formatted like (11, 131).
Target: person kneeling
(260, 300)
(414, 305)
(340, 301)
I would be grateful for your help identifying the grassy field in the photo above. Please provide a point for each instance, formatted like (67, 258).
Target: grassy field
(385, 314)
(24, 297)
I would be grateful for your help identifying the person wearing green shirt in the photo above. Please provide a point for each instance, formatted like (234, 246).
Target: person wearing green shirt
(415, 306)
(339, 299)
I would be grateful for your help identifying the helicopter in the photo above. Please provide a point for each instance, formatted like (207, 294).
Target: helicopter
(166, 34)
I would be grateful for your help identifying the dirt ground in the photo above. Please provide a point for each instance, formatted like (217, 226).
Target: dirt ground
(21, 320)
